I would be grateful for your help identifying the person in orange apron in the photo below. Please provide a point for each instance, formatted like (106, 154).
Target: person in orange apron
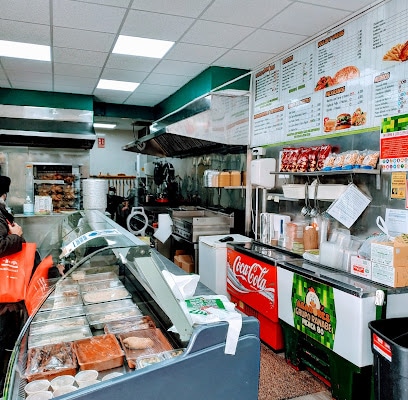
(11, 314)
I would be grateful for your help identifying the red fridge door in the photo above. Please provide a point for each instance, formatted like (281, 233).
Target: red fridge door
(252, 285)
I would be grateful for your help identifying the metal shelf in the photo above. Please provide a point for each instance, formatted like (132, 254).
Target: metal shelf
(338, 172)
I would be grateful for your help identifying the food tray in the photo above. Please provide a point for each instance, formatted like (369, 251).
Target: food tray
(169, 354)
(105, 295)
(47, 362)
(327, 191)
(159, 344)
(96, 286)
(111, 306)
(59, 325)
(43, 316)
(99, 353)
(58, 337)
(149, 359)
(129, 324)
(95, 277)
(66, 290)
(60, 302)
(98, 321)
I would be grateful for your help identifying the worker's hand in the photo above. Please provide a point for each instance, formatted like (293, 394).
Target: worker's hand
(61, 269)
(15, 229)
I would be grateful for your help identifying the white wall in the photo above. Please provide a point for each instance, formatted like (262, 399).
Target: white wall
(112, 159)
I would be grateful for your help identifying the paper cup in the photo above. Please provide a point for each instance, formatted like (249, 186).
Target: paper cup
(62, 380)
(43, 395)
(64, 390)
(39, 385)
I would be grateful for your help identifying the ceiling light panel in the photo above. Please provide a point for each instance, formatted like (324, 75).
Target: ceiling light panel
(142, 47)
(117, 85)
(25, 50)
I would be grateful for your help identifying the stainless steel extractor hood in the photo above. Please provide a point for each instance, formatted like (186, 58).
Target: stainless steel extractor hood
(192, 131)
(46, 127)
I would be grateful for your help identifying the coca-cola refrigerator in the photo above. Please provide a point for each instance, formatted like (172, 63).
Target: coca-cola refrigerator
(253, 286)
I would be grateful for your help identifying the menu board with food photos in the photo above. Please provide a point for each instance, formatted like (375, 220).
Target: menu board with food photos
(344, 82)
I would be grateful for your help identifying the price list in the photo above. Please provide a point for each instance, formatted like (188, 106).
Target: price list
(339, 50)
(267, 87)
(304, 117)
(297, 73)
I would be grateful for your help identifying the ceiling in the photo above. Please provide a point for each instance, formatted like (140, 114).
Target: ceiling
(227, 33)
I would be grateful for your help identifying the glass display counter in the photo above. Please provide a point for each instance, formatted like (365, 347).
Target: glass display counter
(114, 312)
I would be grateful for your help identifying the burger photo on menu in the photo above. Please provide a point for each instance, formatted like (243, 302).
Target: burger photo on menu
(343, 121)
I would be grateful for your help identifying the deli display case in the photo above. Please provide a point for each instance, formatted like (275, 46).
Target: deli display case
(114, 325)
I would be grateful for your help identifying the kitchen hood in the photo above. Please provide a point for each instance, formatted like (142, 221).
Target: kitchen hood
(46, 127)
(205, 126)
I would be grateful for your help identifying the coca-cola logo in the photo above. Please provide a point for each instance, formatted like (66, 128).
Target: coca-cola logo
(253, 274)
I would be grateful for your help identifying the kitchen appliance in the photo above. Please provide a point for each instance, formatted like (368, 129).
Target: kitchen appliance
(58, 180)
(212, 260)
(189, 223)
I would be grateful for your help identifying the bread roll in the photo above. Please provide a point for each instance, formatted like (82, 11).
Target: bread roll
(137, 343)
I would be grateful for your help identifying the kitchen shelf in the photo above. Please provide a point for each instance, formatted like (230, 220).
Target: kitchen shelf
(338, 172)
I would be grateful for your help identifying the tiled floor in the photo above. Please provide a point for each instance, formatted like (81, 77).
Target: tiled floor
(326, 395)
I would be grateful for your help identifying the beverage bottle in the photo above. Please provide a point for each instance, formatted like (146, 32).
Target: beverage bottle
(28, 206)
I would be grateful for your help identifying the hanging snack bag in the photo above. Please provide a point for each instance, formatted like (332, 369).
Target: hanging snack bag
(324, 152)
(313, 158)
(302, 162)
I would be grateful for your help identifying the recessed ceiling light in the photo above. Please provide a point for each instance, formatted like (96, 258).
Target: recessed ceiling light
(25, 50)
(103, 126)
(142, 47)
(117, 85)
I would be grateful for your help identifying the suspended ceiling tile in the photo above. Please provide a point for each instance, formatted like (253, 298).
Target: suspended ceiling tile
(111, 96)
(28, 76)
(76, 81)
(82, 39)
(296, 19)
(190, 8)
(216, 34)
(166, 79)
(77, 70)
(155, 26)
(161, 90)
(4, 83)
(72, 89)
(42, 86)
(26, 11)
(93, 17)
(116, 3)
(25, 32)
(270, 41)
(243, 59)
(180, 68)
(79, 57)
(195, 53)
(247, 13)
(124, 75)
(131, 63)
(349, 5)
(148, 99)
(15, 64)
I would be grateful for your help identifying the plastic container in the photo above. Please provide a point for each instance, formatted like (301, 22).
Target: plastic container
(61, 381)
(111, 376)
(86, 376)
(389, 344)
(28, 206)
(43, 395)
(98, 321)
(39, 385)
(80, 332)
(104, 295)
(64, 390)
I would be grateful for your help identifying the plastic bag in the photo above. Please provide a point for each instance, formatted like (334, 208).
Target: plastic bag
(365, 250)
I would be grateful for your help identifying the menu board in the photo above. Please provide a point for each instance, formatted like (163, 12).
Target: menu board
(344, 82)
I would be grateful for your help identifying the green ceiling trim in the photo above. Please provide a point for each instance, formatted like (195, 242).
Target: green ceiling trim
(202, 84)
(123, 111)
(20, 97)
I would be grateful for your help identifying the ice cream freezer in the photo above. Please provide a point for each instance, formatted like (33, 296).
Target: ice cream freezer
(115, 311)
(324, 315)
(253, 286)
(212, 256)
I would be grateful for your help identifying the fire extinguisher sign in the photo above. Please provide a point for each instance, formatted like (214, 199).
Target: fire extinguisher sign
(314, 310)
(101, 142)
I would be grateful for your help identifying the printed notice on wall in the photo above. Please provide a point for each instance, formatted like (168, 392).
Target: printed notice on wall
(349, 206)
(398, 181)
(394, 144)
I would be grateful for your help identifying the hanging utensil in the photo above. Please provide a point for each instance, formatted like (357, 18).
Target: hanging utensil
(305, 211)
(314, 212)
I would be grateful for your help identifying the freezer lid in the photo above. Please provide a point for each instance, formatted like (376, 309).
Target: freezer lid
(213, 240)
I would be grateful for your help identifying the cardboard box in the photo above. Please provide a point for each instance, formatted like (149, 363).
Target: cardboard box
(389, 263)
(360, 267)
(185, 262)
